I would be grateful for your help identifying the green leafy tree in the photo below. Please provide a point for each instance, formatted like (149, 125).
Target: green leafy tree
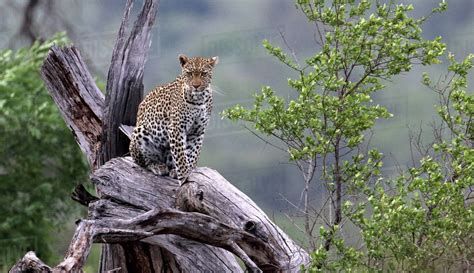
(324, 123)
(39, 160)
(425, 222)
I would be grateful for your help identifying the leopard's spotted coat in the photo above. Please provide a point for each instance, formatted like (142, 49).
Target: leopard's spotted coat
(172, 119)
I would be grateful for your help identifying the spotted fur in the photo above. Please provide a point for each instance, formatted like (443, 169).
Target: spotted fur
(172, 119)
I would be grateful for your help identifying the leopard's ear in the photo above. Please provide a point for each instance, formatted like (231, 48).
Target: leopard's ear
(214, 60)
(183, 59)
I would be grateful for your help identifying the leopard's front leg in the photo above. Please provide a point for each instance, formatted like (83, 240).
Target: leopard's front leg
(193, 149)
(178, 151)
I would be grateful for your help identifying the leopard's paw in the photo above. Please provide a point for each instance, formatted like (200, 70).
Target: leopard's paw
(158, 169)
(173, 174)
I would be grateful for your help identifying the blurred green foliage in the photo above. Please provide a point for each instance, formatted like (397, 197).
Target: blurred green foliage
(40, 163)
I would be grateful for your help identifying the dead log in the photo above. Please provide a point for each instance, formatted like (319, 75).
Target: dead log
(30, 263)
(124, 94)
(124, 80)
(149, 223)
(206, 192)
(68, 91)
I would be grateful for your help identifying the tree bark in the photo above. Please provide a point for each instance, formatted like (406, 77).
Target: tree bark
(79, 100)
(150, 223)
(124, 81)
(124, 94)
(30, 263)
(205, 192)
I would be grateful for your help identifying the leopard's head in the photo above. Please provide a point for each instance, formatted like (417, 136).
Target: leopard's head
(197, 71)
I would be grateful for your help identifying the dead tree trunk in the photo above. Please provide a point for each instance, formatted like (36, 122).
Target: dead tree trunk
(150, 223)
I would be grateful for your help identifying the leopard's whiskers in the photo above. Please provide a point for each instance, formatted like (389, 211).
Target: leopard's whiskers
(217, 90)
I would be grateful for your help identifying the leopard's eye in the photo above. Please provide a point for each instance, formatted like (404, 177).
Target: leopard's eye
(189, 74)
(204, 74)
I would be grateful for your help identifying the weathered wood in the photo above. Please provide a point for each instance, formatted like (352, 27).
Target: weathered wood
(30, 263)
(79, 100)
(154, 222)
(187, 255)
(124, 94)
(137, 205)
(172, 221)
(124, 81)
(207, 192)
(82, 196)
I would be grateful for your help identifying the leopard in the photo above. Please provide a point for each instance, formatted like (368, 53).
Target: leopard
(172, 120)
